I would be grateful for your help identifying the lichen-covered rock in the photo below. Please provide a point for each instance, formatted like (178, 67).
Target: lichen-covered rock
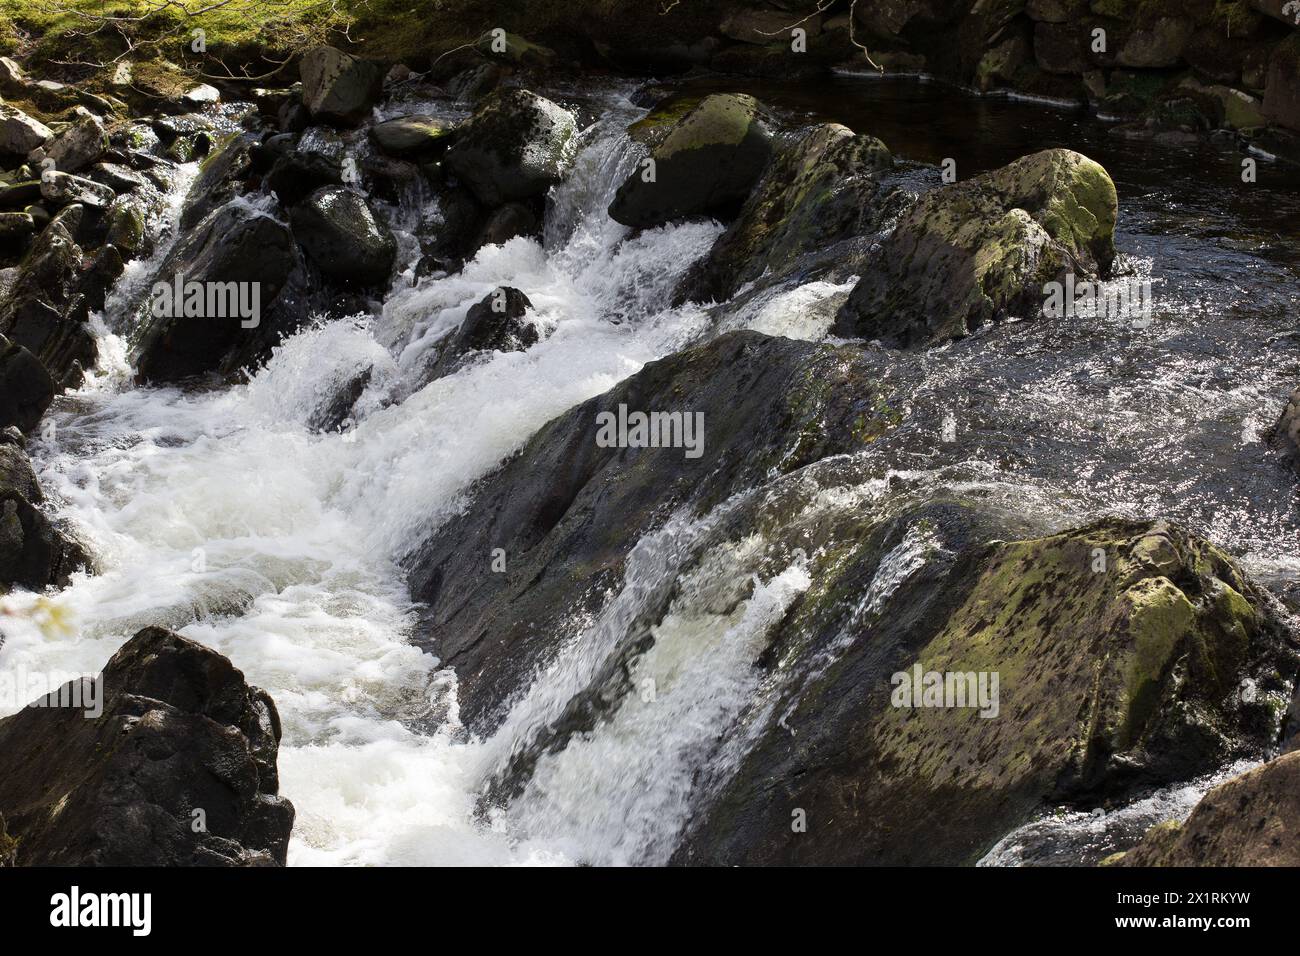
(20, 133)
(515, 146)
(80, 145)
(64, 189)
(1119, 649)
(33, 553)
(180, 738)
(338, 88)
(414, 135)
(820, 190)
(341, 234)
(704, 164)
(1251, 820)
(973, 252)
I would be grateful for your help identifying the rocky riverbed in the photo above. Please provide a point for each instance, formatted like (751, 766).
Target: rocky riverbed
(332, 534)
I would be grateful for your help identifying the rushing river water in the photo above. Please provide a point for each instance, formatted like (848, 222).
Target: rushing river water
(224, 515)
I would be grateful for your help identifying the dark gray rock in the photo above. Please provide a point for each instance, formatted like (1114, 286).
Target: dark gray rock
(180, 732)
(233, 245)
(338, 88)
(516, 146)
(33, 553)
(343, 236)
(26, 388)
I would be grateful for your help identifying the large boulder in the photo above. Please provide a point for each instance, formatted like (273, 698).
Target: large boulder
(515, 146)
(177, 769)
(569, 508)
(1251, 820)
(316, 160)
(338, 88)
(26, 388)
(20, 133)
(973, 252)
(704, 163)
(33, 553)
(1119, 652)
(345, 239)
(821, 189)
(240, 260)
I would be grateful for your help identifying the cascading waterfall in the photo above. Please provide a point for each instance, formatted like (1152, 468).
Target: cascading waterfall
(222, 514)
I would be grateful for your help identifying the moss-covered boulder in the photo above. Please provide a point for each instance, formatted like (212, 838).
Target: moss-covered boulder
(973, 252)
(412, 136)
(1092, 664)
(704, 164)
(515, 146)
(1251, 820)
(821, 189)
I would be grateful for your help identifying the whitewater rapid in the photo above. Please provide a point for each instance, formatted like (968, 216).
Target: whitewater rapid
(223, 515)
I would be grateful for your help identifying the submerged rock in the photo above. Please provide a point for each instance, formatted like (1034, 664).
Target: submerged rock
(1250, 820)
(181, 739)
(494, 324)
(973, 252)
(343, 237)
(704, 163)
(515, 146)
(338, 88)
(821, 189)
